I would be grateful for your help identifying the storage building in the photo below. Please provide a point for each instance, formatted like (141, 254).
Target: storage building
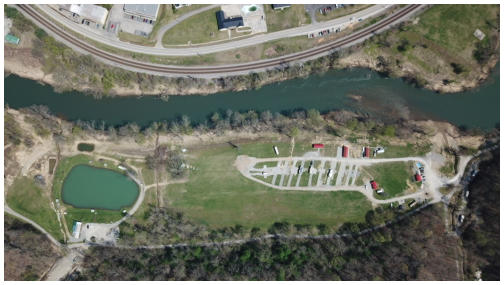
(224, 23)
(345, 151)
(318, 145)
(374, 185)
(142, 11)
(418, 177)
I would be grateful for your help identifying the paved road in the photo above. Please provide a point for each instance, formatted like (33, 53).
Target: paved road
(198, 50)
(432, 183)
(163, 29)
(208, 71)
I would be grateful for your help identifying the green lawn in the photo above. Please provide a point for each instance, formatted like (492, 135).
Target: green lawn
(200, 28)
(340, 12)
(391, 176)
(29, 199)
(291, 17)
(218, 195)
(452, 26)
(393, 151)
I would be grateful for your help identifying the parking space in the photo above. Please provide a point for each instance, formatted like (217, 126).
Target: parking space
(309, 172)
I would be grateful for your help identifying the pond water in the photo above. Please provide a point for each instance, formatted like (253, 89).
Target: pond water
(98, 188)
(359, 90)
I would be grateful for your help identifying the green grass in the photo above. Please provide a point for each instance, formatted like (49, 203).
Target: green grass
(391, 176)
(200, 28)
(452, 26)
(291, 17)
(218, 195)
(393, 151)
(264, 150)
(29, 199)
(340, 12)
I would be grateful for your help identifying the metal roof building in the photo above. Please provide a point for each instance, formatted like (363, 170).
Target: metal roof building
(92, 13)
(148, 11)
(229, 23)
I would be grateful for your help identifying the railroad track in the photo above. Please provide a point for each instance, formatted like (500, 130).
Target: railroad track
(187, 70)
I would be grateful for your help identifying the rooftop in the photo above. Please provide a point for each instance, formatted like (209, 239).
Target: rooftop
(145, 10)
(90, 12)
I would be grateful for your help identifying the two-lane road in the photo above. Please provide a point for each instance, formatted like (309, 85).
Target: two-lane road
(220, 70)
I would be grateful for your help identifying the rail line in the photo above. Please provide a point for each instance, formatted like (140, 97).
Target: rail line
(214, 69)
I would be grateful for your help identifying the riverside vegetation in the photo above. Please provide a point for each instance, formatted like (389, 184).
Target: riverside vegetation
(450, 60)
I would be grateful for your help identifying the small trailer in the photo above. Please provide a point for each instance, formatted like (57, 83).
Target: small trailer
(275, 148)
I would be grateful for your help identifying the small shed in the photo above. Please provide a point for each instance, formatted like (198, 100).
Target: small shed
(418, 177)
(318, 145)
(76, 229)
(12, 39)
(366, 152)
(345, 151)
(374, 185)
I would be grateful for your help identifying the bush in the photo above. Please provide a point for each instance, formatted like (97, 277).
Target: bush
(41, 34)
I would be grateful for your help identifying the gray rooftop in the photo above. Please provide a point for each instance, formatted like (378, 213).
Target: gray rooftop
(145, 10)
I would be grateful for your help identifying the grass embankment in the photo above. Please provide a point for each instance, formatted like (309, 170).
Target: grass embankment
(217, 195)
(34, 202)
(441, 47)
(392, 177)
(340, 12)
(84, 215)
(200, 28)
(287, 18)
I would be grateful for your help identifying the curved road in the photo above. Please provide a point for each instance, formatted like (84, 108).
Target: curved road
(214, 71)
(163, 29)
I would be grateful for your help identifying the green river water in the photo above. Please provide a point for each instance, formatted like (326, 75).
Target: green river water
(384, 98)
(98, 188)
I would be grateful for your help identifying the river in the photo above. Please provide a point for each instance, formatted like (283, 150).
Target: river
(359, 90)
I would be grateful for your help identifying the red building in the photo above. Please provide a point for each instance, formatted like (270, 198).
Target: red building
(318, 145)
(367, 152)
(374, 185)
(345, 151)
(418, 177)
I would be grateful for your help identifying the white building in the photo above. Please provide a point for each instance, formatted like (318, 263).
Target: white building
(143, 12)
(77, 229)
(86, 13)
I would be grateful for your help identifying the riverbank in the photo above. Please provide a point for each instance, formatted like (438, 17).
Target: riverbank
(409, 51)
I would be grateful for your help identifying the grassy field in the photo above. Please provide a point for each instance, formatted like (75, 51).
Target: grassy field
(391, 176)
(30, 200)
(147, 174)
(218, 195)
(200, 28)
(340, 12)
(441, 40)
(392, 151)
(292, 17)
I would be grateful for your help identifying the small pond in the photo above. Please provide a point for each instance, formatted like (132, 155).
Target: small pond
(98, 188)
(85, 147)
